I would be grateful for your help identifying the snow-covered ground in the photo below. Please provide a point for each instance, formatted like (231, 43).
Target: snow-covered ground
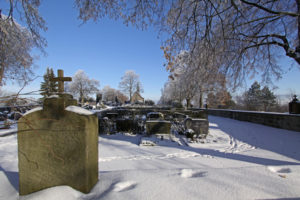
(238, 160)
(12, 130)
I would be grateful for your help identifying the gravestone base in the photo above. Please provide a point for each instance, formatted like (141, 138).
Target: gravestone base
(158, 127)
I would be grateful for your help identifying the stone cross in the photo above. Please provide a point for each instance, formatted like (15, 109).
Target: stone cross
(61, 79)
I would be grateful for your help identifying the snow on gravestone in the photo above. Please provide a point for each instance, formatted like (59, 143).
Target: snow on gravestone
(58, 145)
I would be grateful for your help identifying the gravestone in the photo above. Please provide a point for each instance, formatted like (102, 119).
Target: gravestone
(294, 106)
(155, 116)
(158, 127)
(58, 145)
(199, 126)
(127, 125)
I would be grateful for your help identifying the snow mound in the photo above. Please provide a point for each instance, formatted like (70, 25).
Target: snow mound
(189, 173)
(79, 110)
(186, 173)
(276, 169)
(124, 186)
(54, 193)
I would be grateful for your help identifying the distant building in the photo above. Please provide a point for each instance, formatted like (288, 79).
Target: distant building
(137, 98)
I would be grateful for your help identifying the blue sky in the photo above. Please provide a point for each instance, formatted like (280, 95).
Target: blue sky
(107, 48)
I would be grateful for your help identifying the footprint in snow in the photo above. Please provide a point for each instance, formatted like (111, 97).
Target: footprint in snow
(124, 186)
(279, 169)
(189, 173)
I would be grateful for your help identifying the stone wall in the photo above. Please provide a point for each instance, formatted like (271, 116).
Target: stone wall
(278, 120)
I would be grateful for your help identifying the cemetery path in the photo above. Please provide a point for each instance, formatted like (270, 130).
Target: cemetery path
(250, 136)
(238, 160)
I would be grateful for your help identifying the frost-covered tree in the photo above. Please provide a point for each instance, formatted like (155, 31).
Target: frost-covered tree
(220, 99)
(121, 97)
(139, 88)
(48, 87)
(109, 93)
(246, 36)
(82, 86)
(194, 77)
(172, 93)
(113, 95)
(130, 83)
(17, 42)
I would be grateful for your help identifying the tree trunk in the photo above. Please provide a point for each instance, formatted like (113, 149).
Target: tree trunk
(130, 95)
(201, 100)
(1, 74)
(82, 98)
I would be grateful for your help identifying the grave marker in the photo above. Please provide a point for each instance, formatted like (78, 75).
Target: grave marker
(199, 126)
(58, 145)
(158, 127)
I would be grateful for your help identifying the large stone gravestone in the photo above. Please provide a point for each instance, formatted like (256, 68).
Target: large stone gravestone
(58, 145)
(199, 126)
(158, 127)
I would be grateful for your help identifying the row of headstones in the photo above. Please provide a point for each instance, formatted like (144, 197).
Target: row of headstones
(132, 120)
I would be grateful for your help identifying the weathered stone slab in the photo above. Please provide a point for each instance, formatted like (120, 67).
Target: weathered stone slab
(199, 126)
(127, 125)
(158, 127)
(58, 145)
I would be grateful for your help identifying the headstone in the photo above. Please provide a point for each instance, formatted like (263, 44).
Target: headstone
(127, 125)
(58, 145)
(158, 127)
(199, 126)
(294, 106)
(155, 116)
